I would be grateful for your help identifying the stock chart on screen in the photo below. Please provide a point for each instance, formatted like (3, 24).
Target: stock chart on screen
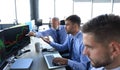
(15, 39)
(2, 49)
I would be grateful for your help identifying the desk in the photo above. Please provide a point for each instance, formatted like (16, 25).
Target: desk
(38, 60)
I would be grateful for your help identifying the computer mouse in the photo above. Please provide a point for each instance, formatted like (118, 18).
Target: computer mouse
(51, 50)
(44, 50)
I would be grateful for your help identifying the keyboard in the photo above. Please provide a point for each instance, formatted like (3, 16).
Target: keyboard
(50, 59)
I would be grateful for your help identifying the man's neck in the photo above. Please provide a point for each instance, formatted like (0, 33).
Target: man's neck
(55, 28)
(115, 64)
(75, 31)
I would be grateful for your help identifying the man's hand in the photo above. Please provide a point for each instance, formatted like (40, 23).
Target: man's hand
(60, 61)
(46, 39)
(31, 34)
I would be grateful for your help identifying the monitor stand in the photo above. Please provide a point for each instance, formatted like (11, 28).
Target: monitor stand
(22, 64)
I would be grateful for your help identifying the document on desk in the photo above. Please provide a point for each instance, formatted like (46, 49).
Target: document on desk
(49, 58)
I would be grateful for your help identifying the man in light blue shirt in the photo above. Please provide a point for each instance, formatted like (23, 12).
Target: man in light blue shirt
(57, 32)
(74, 43)
(101, 37)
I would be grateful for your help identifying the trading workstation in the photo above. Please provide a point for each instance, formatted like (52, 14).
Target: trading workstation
(21, 52)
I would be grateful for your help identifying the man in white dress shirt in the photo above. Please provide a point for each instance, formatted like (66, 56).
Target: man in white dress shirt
(101, 37)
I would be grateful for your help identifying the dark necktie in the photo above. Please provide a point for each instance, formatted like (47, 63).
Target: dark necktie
(71, 48)
(58, 36)
(103, 69)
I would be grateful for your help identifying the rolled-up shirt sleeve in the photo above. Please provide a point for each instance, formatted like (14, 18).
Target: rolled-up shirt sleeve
(42, 34)
(38, 34)
(60, 47)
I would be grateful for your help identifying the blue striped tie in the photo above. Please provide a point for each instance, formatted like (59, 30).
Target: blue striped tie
(58, 36)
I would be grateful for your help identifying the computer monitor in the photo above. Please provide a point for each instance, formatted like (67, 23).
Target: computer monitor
(3, 26)
(2, 50)
(15, 39)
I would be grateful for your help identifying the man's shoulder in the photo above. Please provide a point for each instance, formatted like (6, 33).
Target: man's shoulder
(79, 34)
(62, 26)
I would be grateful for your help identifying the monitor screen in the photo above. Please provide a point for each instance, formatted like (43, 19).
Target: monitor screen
(2, 50)
(15, 39)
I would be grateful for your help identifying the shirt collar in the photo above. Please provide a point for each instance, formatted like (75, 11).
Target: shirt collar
(59, 28)
(75, 36)
(118, 68)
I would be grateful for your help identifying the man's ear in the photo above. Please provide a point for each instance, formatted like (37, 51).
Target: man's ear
(114, 48)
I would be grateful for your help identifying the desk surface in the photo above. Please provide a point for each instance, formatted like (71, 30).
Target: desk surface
(38, 60)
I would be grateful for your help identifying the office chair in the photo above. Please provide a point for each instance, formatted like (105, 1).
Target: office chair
(62, 22)
(38, 23)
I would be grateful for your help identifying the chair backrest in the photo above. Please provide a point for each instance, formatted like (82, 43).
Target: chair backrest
(62, 22)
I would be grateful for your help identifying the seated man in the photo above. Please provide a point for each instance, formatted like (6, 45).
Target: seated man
(57, 32)
(74, 43)
(101, 37)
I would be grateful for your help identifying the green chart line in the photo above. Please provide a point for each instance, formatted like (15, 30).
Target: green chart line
(18, 36)
(1, 44)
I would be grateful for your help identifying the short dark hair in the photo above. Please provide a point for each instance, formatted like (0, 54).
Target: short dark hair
(74, 19)
(105, 28)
